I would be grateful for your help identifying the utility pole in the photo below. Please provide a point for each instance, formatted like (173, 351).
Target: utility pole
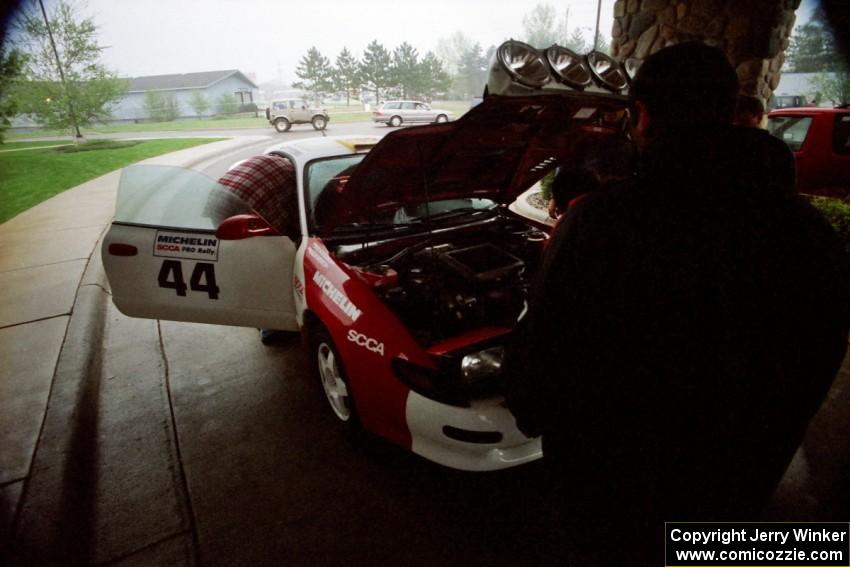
(77, 133)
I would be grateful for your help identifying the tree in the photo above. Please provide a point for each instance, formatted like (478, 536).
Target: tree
(375, 68)
(405, 71)
(160, 107)
(226, 104)
(435, 78)
(576, 42)
(314, 70)
(812, 47)
(77, 90)
(472, 73)
(541, 27)
(834, 86)
(199, 103)
(11, 66)
(451, 49)
(346, 74)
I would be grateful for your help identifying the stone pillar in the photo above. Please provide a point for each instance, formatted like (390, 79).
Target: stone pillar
(753, 33)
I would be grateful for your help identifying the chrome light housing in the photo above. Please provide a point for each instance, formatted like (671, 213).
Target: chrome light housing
(482, 364)
(632, 65)
(607, 71)
(568, 67)
(523, 63)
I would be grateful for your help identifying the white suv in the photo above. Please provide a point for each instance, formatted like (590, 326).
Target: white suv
(282, 114)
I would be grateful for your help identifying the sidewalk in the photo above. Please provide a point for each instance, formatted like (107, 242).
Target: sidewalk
(53, 302)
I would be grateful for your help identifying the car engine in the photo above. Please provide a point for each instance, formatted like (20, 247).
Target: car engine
(444, 286)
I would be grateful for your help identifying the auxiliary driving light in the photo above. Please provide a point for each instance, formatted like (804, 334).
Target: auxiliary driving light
(523, 63)
(568, 66)
(607, 71)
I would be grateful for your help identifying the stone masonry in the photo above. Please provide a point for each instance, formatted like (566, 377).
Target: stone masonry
(753, 33)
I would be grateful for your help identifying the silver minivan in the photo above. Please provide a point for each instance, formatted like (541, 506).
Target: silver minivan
(397, 112)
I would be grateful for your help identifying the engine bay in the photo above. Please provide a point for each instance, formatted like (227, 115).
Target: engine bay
(441, 285)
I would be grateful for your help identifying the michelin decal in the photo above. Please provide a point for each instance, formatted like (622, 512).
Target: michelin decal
(188, 245)
(336, 296)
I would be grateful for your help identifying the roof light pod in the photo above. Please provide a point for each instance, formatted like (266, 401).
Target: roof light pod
(523, 63)
(568, 67)
(607, 72)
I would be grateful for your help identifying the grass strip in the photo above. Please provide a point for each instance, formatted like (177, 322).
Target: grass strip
(32, 176)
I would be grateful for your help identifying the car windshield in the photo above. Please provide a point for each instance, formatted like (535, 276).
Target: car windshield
(790, 129)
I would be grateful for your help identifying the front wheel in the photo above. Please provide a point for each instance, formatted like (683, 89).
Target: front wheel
(442, 118)
(329, 368)
(395, 121)
(282, 125)
(319, 122)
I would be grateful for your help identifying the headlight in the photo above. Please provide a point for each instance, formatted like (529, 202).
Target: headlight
(607, 71)
(481, 365)
(568, 66)
(523, 63)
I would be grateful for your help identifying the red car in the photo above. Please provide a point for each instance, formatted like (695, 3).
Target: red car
(820, 140)
(408, 275)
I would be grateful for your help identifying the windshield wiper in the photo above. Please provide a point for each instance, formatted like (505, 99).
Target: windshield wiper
(368, 227)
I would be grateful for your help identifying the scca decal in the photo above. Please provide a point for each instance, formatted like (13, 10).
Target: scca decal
(366, 342)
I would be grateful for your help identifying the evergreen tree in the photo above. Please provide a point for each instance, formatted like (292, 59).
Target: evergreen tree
(435, 78)
(315, 73)
(346, 74)
(812, 46)
(375, 68)
(406, 72)
(472, 73)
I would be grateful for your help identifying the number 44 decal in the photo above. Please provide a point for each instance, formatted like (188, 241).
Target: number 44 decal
(171, 277)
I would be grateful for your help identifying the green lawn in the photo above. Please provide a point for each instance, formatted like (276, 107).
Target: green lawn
(27, 145)
(31, 176)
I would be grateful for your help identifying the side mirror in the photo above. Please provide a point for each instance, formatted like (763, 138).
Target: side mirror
(239, 227)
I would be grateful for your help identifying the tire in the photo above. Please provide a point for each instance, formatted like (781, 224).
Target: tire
(441, 118)
(395, 121)
(328, 367)
(319, 122)
(282, 125)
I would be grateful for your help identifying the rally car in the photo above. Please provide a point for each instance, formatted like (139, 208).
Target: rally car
(408, 275)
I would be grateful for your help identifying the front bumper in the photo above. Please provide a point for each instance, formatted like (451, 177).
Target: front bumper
(482, 437)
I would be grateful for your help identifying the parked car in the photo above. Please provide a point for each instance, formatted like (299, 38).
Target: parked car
(282, 114)
(820, 141)
(397, 112)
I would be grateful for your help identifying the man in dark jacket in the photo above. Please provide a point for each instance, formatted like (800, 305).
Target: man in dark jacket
(685, 327)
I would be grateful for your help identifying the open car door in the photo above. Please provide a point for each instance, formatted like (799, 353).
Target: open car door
(182, 247)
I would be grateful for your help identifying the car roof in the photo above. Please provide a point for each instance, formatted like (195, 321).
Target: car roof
(308, 149)
(808, 110)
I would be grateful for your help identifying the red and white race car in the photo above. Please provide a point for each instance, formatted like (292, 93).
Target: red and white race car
(408, 276)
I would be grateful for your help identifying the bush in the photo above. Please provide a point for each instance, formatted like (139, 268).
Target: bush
(248, 107)
(837, 212)
(226, 104)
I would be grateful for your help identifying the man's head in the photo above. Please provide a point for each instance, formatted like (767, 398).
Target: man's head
(680, 87)
(749, 111)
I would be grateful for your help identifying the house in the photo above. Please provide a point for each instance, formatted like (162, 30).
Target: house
(211, 84)
(797, 89)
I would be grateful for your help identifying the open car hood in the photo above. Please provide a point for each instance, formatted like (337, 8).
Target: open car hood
(495, 151)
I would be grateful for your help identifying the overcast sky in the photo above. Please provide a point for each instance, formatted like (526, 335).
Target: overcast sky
(267, 38)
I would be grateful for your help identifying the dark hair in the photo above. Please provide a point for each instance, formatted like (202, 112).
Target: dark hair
(571, 182)
(748, 104)
(687, 84)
